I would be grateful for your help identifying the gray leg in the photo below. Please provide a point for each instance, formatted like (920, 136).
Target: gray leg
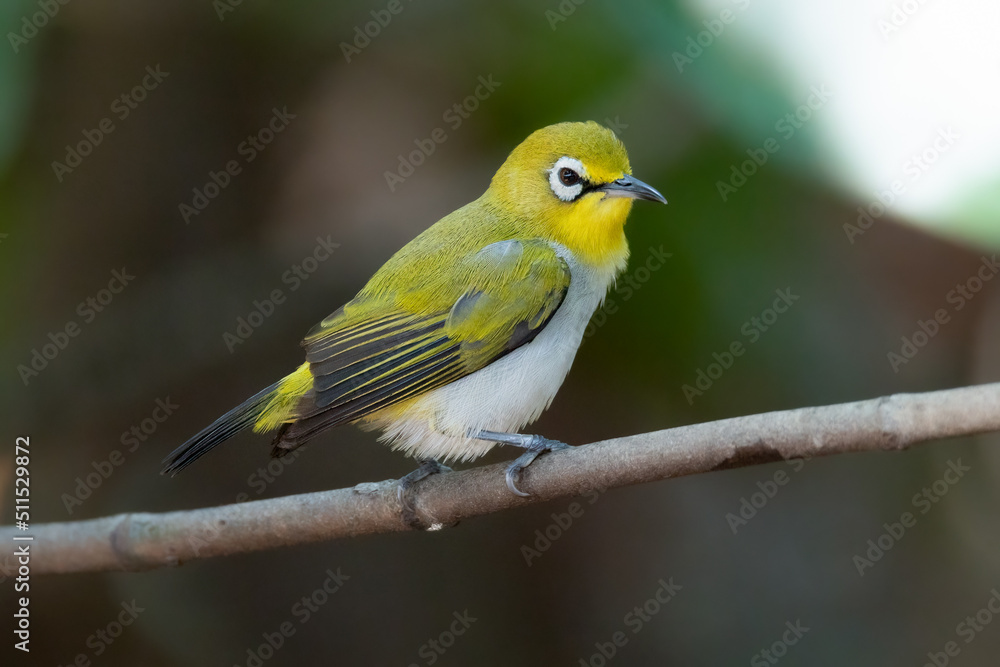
(427, 468)
(535, 445)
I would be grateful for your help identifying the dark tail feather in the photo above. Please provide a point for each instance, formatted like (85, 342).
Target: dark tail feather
(223, 428)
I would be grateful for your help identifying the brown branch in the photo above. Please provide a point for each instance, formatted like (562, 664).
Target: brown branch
(143, 541)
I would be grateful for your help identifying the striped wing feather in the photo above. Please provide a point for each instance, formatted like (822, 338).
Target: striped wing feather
(362, 364)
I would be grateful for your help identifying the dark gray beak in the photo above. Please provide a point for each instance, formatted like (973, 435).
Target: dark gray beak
(630, 186)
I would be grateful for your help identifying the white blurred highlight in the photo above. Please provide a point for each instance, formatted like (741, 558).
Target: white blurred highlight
(901, 72)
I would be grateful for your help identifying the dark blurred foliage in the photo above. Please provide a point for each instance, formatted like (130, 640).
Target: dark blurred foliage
(323, 176)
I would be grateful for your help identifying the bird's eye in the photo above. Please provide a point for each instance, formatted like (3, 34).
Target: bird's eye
(568, 177)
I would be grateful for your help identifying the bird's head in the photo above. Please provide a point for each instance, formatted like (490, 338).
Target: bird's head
(573, 183)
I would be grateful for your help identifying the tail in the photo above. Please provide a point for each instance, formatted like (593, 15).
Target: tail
(264, 411)
(242, 416)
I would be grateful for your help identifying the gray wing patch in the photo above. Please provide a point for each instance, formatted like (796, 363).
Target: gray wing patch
(464, 307)
(502, 254)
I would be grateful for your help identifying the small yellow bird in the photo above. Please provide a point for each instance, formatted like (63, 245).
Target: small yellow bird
(466, 334)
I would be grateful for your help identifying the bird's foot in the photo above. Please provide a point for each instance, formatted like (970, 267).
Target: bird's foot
(427, 468)
(534, 446)
(538, 447)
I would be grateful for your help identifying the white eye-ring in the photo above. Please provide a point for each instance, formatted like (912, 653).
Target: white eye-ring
(566, 178)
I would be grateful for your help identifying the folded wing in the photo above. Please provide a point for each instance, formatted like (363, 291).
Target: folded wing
(381, 349)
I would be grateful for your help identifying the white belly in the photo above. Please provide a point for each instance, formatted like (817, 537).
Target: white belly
(507, 394)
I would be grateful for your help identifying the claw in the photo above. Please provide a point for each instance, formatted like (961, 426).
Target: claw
(513, 474)
(535, 448)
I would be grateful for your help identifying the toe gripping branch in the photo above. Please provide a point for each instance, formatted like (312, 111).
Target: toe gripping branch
(534, 446)
(426, 468)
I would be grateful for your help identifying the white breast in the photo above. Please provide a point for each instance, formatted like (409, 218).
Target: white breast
(509, 393)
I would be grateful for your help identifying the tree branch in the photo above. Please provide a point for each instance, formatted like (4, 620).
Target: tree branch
(141, 541)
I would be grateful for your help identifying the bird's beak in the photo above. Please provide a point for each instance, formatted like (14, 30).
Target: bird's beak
(632, 187)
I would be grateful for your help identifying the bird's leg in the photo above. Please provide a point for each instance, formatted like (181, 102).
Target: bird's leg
(534, 445)
(426, 468)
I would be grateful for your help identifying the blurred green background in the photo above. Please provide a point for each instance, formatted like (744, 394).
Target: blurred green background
(690, 89)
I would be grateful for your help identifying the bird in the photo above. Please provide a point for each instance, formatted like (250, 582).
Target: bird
(465, 335)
